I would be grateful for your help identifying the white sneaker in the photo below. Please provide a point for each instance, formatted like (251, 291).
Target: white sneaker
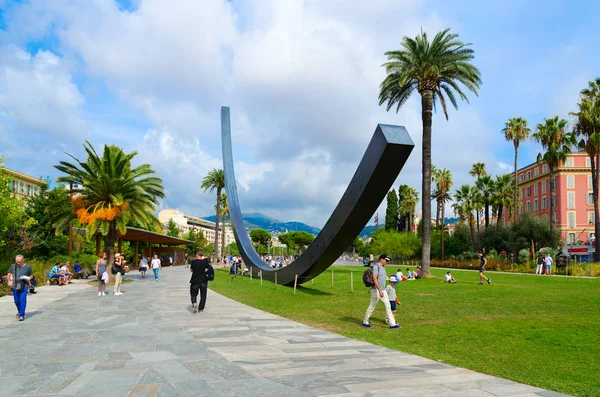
(120, 293)
(116, 293)
(104, 293)
(99, 293)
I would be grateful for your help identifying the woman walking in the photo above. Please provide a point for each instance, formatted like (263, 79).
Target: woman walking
(143, 267)
(119, 275)
(155, 266)
(100, 270)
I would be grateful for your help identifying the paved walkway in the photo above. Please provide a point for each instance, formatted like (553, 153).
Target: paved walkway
(148, 343)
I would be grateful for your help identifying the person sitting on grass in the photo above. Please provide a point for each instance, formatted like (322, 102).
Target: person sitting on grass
(409, 275)
(391, 291)
(399, 275)
(449, 279)
(58, 274)
(419, 273)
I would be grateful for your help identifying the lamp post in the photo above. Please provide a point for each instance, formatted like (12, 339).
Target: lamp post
(71, 224)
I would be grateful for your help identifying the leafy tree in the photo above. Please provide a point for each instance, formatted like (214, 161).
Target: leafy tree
(530, 228)
(357, 245)
(215, 180)
(12, 216)
(477, 172)
(391, 211)
(557, 144)
(224, 216)
(111, 194)
(466, 202)
(486, 186)
(173, 230)
(199, 242)
(233, 249)
(286, 238)
(503, 197)
(302, 239)
(516, 130)
(443, 184)
(587, 127)
(408, 198)
(398, 246)
(260, 237)
(435, 69)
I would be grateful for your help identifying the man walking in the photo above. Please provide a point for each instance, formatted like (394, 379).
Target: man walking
(199, 281)
(378, 293)
(155, 267)
(540, 263)
(19, 276)
(482, 263)
(548, 263)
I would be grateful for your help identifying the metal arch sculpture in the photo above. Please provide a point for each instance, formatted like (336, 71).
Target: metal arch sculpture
(383, 160)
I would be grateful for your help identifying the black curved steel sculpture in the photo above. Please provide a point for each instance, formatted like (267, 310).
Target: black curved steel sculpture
(383, 160)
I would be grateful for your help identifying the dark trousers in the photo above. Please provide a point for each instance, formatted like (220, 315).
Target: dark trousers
(194, 289)
(20, 298)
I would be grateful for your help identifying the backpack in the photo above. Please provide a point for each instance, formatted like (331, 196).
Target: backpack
(368, 277)
(210, 273)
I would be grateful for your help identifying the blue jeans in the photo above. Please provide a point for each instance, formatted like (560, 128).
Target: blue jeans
(20, 300)
(155, 273)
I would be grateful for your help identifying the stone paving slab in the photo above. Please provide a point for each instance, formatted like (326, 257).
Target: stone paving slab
(148, 343)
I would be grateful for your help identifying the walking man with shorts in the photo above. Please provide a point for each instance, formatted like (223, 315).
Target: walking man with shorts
(482, 263)
(378, 293)
(199, 281)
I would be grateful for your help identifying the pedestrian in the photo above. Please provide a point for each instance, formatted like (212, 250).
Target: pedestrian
(171, 261)
(548, 264)
(540, 263)
(100, 270)
(199, 281)
(19, 276)
(156, 266)
(482, 263)
(119, 272)
(143, 267)
(378, 293)
(391, 292)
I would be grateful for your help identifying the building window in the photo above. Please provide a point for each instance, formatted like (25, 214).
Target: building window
(588, 162)
(569, 162)
(536, 171)
(554, 200)
(544, 168)
(535, 205)
(36, 191)
(28, 189)
(522, 209)
(543, 187)
(571, 238)
(589, 198)
(590, 181)
(544, 203)
(571, 200)
(571, 220)
(528, 174)
(570, 181)
(535, 189)
(591, 217)
(21, 188)
(528, 206)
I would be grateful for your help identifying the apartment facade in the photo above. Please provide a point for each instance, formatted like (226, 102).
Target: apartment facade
(574, 205)
(22, 185)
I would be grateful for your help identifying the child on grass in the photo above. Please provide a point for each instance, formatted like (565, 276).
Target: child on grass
(391, 291)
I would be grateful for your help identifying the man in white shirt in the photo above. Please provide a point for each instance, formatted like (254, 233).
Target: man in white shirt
(155, 266)
(399, 275)
(548, 264)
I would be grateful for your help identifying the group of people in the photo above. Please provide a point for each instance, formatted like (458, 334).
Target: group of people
(544, 264)
(155, 263)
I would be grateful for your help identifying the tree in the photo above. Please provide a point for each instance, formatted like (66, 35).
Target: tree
(233, 249)
(502, 197)
(465, 204)
(557, 143)
(478, 171)
(224, 216)
(215, 180)
(587, 127)
(391, 211)
(408, 198)
(172, 229)
(302, 239)
(260, 237)
(111, 194)
(436, 70)
(516, 130)
(199, 242)
(486, 186)
(443, 184)
(286, 238)
(12, 216)
(396, 245)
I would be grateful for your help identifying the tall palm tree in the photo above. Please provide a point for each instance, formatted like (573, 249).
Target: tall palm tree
(503, 197)
(437, 70)
(465, 203)
(111, 194)
(477, 171)
(587, 127)
(215, 180)
(443, 186)
(486, 185)
(516, 130)
(409, 198)
(557, 144)
(224, 216)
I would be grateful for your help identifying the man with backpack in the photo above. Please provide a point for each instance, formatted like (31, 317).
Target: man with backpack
(202, 273)
(378, 292)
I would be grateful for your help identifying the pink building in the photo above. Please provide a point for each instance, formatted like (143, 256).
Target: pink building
(574, 205)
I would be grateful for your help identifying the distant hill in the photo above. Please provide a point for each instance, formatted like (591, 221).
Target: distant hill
(259, 221)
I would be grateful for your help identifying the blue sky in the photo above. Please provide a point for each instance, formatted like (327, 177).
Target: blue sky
(301, 78)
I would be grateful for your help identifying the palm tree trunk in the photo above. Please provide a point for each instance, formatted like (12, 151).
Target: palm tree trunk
(223, 238)
(516, 198)
(437, 212)
(409, 221)
(487, 211)
(217, 225)
(426, 115)
(595, 160)
(500, 213)
(443, 230)
(109, 248)
(551, 208)
(472, 227)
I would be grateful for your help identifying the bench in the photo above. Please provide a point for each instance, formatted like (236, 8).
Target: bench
(50, 280)
(84, 273)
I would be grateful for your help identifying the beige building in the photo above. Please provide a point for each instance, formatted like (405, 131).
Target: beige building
(185, 223)
(23, 185)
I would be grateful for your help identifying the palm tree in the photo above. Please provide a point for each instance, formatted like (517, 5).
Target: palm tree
(443, 186)
(477, 171)
(466, 198)
(215, 180)
(557, 143)
(111, 194)
(436, 70)
(486, 185)
(224, 216)
(587, 126)
(409, 198)
(503, 197)
(516, 130)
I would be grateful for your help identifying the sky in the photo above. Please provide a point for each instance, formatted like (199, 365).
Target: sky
(301, 78)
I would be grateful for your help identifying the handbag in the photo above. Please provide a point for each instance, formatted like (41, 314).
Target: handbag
(114, 269)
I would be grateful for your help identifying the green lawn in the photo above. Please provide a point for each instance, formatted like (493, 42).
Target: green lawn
(539, 330)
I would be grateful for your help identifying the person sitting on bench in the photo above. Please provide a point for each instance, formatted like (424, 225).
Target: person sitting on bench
(58, 274)
(82, 272)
